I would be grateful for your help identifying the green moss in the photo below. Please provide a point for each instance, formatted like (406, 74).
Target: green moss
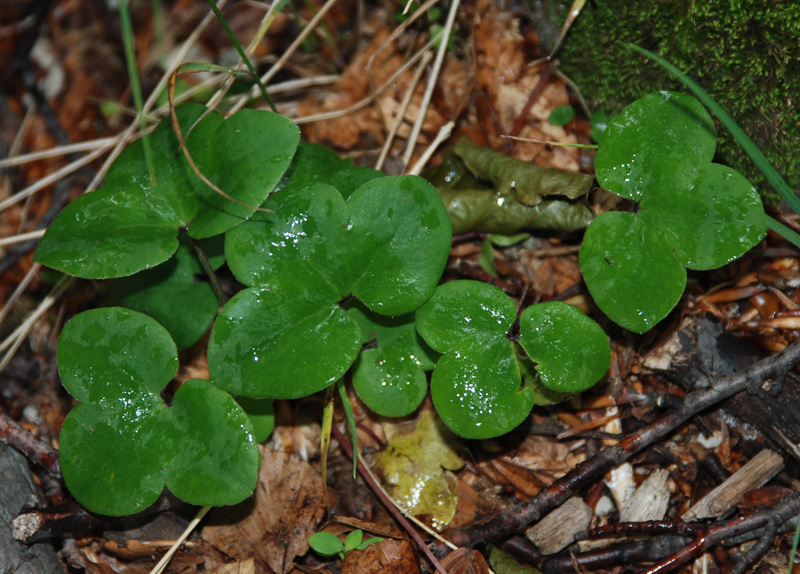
(745, 53)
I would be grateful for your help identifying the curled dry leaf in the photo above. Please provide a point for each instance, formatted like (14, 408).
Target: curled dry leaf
(273, 526)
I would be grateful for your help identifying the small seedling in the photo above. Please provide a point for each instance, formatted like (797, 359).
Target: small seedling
(327, 544)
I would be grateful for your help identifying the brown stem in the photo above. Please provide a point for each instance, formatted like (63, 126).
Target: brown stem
(36, 450)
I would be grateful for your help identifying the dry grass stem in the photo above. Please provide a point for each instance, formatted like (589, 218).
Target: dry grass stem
(437, 66)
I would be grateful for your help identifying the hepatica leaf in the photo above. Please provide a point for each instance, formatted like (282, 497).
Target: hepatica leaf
(389, 376)
(122, 444)
(315, 163)
(131, 224)
(286, 336)
(477, 385)
(690, 213)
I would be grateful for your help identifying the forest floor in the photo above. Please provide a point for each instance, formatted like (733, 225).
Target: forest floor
(64, 89)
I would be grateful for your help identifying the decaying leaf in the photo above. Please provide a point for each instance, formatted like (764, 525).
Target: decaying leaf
(489, 192)
(387, 557)
(273, 526)
(465, 561)
(415, 464)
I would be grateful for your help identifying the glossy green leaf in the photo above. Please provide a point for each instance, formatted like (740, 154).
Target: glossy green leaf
(479, 394)
(111, 453)
(301, 243)
(273, 344)
(599, 124)
(465, 316)
(561, 115)
(656, 141)
(477, 206)
(261, 413)
(315, 163)
(401, 238)
(110, 352)
(216, 461)
(172, 295)
(325, 543)
(690, 213)
(120, 445)
(387, 245)
(245, 157)
(389, 375)
(107, 233)
(571, 350)
(713, 221)
(633, 276)
(132, 224)
(174, 195)
(477, 385)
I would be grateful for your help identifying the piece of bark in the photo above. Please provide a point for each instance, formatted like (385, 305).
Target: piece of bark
(17, 492)
(717, 503)
(557, 530)
(700, 349)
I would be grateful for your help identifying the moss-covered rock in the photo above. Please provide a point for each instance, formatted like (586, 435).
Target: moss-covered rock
(745, 53)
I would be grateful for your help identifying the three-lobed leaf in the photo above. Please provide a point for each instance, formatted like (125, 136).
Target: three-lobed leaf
(690, 213)
(386, 245)
(121, 445)
(476, 385)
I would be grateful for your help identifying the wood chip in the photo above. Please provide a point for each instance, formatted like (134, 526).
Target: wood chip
(720, 501)
(557, 530)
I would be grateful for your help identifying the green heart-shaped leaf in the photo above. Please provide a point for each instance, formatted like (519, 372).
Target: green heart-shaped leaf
(107, 233)
(270, 344)
(659, 138)
(476, 383)
(216, 463)
(111, 452)
(315, 163)
(110, 352)
(387, 246)
(633, 276)
(571, 350)
(690, 213)
(390, 376)
(122, 443)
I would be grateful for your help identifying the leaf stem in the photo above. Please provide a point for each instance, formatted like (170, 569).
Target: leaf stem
(212, 275)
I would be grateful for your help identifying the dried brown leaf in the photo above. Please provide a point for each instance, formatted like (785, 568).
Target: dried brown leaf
(387, 557)
(274, 524)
